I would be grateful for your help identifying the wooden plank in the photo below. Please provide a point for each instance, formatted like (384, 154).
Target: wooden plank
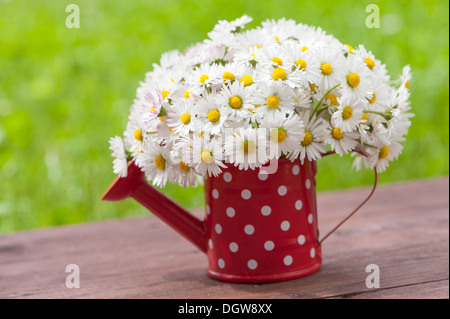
(403, 229)
(430, 290)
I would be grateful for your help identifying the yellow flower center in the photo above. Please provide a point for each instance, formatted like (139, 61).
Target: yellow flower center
(160, 162)
(350, 48)
(279, 135)
(213, 116)
(347, 112)
(186, 94)
(303, 49)
(384, 152)
(370, 63)
(276, 38)
(353, 79)
(301, 64)
(337, 134)
(138, 135)
(228, 76)
(165, 93)
(203, 78)
(185, 118)
(206, 157)
(277, 60)
(235, 102)
(313, 87)
(407, 84)
(278, 74)
(307, 139)
(326, 68)
(273, 101)
(373, 99)
(332, 98)
(184, 167)
(248, 147)
(364, 117)
(247, 79)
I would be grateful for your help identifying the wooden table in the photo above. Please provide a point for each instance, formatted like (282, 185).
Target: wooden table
(404, 229)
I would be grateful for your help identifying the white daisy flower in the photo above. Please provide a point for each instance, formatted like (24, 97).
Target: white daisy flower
(205, 155)
(181, 173)
(405, 77)
(285, 74)
(273, 98)
(381, 156)
(181, 119)
(274, 56)
(341, 142)
(312, 144)
(348, 114)
(212, 116)
(375, 66)
(218, 54)
(237, 99)
(284, 133)
(255, 39)
(357, 78)
(305, 63)
(246, 148)
(156, 163)
(330, 66)
(280, 30)
(205, 77)
(120, 163)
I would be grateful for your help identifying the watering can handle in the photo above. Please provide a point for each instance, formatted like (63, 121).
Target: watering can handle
(359, 206)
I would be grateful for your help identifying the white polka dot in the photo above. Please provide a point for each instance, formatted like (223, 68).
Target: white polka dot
(218, 228)
(287, 260)
(282, 190)
(252, 264)
(234, 247)
(221, 263)
(298, 205)
(231, 212)
(215, 193)
(210, 243)
(312, 253)
(263, 175)
(246, 194)
(249, 229)
(269, 245)
(227, 177)
(266, 210)
(208, 209)
(308, 183)
(301, 239)
(285, 225)
(295, 169)
(310, 218)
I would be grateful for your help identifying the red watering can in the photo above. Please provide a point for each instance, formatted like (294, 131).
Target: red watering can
(258, 227)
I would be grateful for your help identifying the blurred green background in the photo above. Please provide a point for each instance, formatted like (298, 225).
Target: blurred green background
(64, 92)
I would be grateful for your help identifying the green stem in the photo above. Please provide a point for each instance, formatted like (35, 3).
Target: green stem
(383, 114)
(323, 107)
(316, 105)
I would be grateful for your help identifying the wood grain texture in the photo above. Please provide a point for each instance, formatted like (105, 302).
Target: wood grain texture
(404, 229)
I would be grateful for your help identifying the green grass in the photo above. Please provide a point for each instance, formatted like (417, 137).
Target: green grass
(64, 92)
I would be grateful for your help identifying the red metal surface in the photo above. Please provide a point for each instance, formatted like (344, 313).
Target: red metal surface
(258, 227)
(262, 227)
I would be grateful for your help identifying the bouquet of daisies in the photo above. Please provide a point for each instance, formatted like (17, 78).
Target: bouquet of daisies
(243, 98)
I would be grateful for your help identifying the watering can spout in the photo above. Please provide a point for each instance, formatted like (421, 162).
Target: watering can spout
(136, 186)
